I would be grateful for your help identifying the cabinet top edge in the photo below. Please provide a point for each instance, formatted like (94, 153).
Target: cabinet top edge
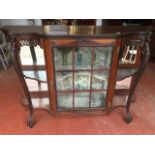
(77, 31)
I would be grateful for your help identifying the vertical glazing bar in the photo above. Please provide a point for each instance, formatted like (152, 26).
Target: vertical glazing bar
(91, 76)
(33, 54)
(73, 73)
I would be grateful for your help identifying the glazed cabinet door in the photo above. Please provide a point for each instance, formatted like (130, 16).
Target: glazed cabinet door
(81, 73)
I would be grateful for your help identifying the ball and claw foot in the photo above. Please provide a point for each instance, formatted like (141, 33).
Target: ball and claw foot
(30, 122)
(128, 118)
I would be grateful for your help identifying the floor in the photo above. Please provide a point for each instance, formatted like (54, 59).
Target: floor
(13, 114)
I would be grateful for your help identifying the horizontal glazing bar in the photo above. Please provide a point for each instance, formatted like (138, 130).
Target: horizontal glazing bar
(81, 109)
(80, 91)
(76, 70)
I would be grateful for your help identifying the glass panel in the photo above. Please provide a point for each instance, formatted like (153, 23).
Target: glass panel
(82, 80)
(33, 85)
(102, 57)
(83, 58)
(100, 80)
(65, 100)
(64, 80)
(26, 57)
(39, 102)
(40, 75)
(62, 57)
(123, 84)
(81, 100)
(98, 99)
(123, 73)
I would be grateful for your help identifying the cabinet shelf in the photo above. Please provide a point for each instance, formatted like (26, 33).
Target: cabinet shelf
(39, 94)
(33, 67)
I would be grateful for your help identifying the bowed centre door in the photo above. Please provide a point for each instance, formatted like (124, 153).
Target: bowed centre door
(81, 73)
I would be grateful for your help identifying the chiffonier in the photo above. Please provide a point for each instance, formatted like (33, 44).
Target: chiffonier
(75, 69)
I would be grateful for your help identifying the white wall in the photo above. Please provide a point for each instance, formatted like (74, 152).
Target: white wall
(37, 22)
(98, 22)
(7, 22)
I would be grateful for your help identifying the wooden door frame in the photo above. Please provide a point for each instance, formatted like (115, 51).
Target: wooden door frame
(48, 43)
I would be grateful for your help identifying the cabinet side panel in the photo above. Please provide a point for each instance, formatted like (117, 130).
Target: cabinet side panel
(113, 73)
(50, 73)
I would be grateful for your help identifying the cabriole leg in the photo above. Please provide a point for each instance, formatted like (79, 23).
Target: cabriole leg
(145, 59)
(128, 117)
(30, 121)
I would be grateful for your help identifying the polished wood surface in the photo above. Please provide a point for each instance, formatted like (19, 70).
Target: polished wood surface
(77, 31)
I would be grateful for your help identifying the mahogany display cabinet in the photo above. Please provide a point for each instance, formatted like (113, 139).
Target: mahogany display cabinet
(75, 69)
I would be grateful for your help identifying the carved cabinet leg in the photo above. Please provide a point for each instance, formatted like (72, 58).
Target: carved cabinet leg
(128, 117)
(133, 99)
(145, 58)
(30, 121)
(16, 63)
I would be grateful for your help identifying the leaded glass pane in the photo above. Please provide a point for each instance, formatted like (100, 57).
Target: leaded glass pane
(81, 100)
(64, 80)
(100, 80)
(63, 58)
(82, 80)
(102, 57)
(98, 99)
(64, 100)
(83, 57)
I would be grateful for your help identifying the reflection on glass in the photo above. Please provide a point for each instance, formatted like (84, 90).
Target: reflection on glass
(98, 99)
(123, 84)
(40, 75)
(100, 80)
(63, 58)
(64, 80)
(83, 57)
(64, 100)
(34, 86)
(102, 56)
(81, 100)
(41, 102)
(26, 56)
(122, 73)
(82, 80)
